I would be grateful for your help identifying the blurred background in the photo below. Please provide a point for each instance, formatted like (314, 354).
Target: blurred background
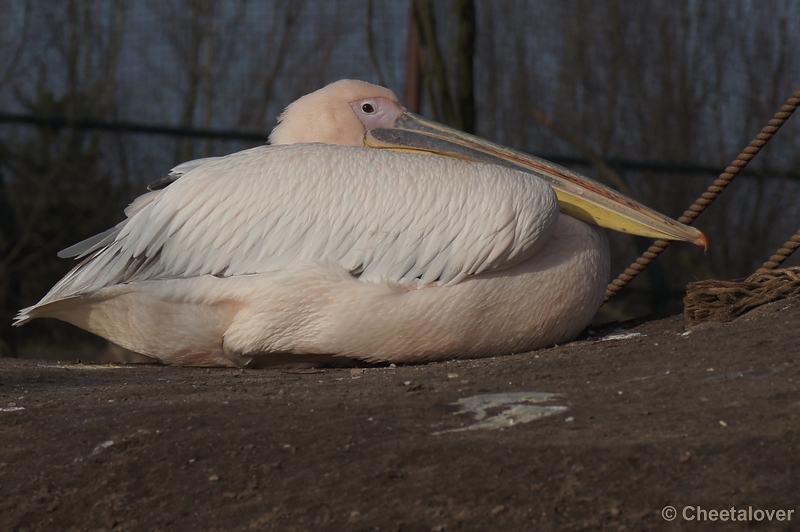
(98, 98)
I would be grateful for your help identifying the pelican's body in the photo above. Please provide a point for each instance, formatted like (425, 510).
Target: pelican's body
(300, 250)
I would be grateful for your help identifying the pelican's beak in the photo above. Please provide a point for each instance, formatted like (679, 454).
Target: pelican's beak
(578, 196)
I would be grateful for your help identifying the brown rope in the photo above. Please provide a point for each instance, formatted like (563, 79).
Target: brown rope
(781, 255)
(723, 301)
(709, 195)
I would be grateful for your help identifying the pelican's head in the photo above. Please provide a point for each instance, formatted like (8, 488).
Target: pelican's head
(326, 115)
(356, 113)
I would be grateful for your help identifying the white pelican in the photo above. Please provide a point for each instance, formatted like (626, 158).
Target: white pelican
(319, 246)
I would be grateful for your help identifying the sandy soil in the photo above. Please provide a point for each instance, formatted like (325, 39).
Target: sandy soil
(659, 417)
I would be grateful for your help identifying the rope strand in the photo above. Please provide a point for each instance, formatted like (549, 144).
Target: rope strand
(781, 255)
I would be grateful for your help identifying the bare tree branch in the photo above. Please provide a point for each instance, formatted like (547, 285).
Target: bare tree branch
(371, 45)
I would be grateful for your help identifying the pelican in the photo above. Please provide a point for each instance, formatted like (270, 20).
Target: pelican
(361, 231)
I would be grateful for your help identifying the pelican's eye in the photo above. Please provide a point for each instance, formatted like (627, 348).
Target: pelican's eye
(368, 108)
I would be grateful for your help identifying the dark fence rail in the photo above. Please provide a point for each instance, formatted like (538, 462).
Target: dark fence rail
(252, 136)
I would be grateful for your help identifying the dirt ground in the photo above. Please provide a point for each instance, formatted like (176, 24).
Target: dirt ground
(660, 416)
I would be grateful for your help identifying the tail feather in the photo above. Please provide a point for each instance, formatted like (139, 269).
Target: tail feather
(23, 316)
(44, 309)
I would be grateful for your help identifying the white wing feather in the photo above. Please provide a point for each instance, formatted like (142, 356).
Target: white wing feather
(410, 219)
(92, 244)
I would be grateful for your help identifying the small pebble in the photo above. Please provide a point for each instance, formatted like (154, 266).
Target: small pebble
(498, 509)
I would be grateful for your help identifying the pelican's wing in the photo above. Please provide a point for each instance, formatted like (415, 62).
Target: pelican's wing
(92, 244)
(381, 215)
